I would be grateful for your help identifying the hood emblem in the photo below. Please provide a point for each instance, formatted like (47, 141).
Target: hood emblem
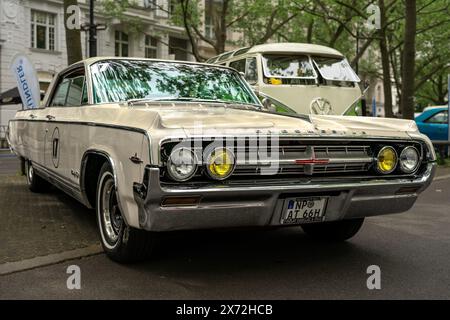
(321, 106)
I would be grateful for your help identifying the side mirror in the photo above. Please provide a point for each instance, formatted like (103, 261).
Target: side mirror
(267, 104)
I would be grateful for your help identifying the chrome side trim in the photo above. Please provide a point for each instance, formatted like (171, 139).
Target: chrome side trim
(60, 182)
(102, 125)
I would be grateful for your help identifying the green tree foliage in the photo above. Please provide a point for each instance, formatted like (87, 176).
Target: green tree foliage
(336, 23)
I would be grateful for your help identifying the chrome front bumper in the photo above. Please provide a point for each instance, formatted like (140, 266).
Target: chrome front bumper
(238, 205)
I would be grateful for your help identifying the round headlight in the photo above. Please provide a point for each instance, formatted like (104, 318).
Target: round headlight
(409, 159)
(386, 160)
(220, 163)
(182, 164)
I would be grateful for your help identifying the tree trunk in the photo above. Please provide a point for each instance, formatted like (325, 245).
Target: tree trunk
(73, 37)
(387, 88)
(409, 53)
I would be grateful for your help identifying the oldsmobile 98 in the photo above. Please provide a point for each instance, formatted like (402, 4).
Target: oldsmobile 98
(158, 146)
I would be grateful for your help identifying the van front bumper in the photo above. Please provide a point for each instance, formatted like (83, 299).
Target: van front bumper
(261, 202)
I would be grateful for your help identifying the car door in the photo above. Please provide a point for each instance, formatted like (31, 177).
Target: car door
(61, 114)
(52, 129)
(436, 126)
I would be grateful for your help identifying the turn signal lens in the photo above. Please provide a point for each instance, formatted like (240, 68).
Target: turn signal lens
(387, 160)
(220, 163)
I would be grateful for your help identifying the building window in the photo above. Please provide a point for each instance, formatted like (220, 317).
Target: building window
(43, 30)
(178, 47)
(151, 44)
(212, 11)
(121, 44)
(209, 29)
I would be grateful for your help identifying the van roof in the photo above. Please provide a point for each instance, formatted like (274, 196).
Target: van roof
(283, 47)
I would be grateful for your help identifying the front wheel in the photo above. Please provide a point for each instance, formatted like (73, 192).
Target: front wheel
(121, 243)
(334, 230)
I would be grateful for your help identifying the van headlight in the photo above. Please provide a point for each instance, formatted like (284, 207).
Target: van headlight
(182, 164)
(386, 160)
(220, 163)
(409, 159)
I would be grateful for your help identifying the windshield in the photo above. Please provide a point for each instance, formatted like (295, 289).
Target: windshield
(282, 66)
(123, 80)
(335, 69)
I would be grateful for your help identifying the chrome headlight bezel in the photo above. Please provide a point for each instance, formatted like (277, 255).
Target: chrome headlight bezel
(170, 164)
(378, 160)
(401, 161)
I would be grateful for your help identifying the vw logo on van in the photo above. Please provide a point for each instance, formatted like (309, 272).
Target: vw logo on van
(320, 106)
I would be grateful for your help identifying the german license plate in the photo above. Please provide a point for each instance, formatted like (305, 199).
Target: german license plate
(304, 210)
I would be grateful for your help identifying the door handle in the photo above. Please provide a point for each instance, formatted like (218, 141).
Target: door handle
(50, 117)
(32, 116)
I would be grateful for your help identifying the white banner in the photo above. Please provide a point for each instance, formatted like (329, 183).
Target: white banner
(27, 81)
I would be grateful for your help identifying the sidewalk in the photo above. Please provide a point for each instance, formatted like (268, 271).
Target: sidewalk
(41, 224)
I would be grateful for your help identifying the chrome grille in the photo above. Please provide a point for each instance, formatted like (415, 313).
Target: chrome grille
(308, 160)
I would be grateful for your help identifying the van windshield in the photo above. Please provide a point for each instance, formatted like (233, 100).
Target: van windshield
(292, 67)
(335, 69)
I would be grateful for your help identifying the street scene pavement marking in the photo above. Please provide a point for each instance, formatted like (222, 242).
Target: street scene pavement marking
(11, 267)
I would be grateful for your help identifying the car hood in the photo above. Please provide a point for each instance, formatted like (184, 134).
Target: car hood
(219, 120)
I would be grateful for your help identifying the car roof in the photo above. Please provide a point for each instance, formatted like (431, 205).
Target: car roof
(90, 61)
(291, 47)
(430, 112)
(283, 47)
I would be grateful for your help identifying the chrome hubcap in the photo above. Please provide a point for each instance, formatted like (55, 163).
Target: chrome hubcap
(111, 216)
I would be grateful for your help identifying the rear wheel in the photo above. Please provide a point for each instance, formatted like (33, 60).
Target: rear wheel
(120, 242)
(35, 182)
(334, 230)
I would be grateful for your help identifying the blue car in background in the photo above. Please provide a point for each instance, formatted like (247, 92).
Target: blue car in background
(434, 123)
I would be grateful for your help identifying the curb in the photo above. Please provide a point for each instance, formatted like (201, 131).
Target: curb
(18, 266)
(446, 176)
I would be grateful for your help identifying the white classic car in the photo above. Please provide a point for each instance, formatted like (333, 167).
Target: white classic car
(162, 145)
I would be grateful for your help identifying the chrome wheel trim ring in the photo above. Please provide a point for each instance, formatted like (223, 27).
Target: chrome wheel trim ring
(108, 213)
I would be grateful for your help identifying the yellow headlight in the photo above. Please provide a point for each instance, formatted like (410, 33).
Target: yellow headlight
(387, 160)
(220, 164)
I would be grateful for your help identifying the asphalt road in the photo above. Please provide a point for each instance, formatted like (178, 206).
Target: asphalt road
(411, 249)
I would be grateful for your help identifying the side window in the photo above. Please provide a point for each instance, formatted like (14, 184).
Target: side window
(251, 73)
(439, 118)
(238, 65)
(59, 99)
(74, 96)
(71, 91)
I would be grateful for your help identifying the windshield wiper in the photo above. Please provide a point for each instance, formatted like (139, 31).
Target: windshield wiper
(141, 100)
(131, 101)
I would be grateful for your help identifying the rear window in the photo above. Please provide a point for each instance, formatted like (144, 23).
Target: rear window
(439, 118)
